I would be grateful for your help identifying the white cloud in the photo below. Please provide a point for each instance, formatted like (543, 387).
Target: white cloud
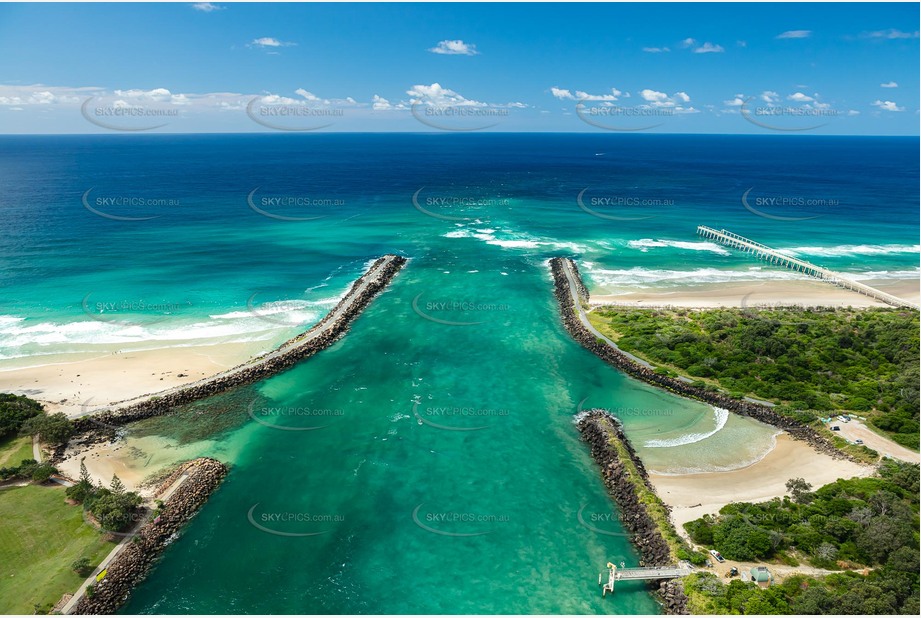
(688, 42)
(853, 112)
(307, 95)
(888, 106)
(891, 33)
(455, 48)
(656, 50)
(379, 103)
(889, 85)
(742, 43)
(799, 97)
(737, 101)
(268, 41)
(794, 34)
(769, 96)
(207, 7)
(709, 48)
(438, 96)
(675, 102)
(580, 95)
(561, 93)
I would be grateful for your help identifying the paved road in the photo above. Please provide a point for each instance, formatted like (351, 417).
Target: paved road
(372, 275)
(884, 446)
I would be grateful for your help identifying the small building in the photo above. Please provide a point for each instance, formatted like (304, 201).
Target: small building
(761, 576)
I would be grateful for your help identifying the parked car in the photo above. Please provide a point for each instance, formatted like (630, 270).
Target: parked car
(717, 555)
(732, 572)
(858, 441)
(836, 428)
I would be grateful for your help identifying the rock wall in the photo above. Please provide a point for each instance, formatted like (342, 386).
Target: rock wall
(598, 429)
(259, 368)
(614, 357)
(137, 557)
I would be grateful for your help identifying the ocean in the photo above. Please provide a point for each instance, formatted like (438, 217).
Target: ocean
(427, 462)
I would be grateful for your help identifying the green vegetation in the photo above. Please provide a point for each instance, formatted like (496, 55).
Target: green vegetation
(52, 429)
(815, 361)
(114, 508)
(28, 470)
(41, 536)
(892, 589)
(14, 449)
(14, 411)
(854, 521)
(845, 524)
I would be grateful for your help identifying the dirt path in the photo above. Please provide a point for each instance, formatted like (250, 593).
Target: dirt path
(855, 430)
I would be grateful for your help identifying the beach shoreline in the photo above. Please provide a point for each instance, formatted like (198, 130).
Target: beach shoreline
(761, 293)
(694, 495)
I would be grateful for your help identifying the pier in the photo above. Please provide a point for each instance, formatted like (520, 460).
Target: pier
(763, 252)
(640, 573)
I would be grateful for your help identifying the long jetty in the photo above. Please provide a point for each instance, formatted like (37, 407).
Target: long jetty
(773, 256)
(322, 335)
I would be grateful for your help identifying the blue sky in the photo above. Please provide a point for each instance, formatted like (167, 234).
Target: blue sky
(696, 68)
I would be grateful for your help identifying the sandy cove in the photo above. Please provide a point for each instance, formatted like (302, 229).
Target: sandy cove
(694, 495)
(765, 293)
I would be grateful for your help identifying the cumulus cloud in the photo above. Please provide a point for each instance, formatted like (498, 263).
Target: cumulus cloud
(454, 48)
(794, 34)
(656, 50)
(709, 48)
(676, 102)
(799, 97)
(580, 95)
(436, 95)
(206, 7)
(889, 106)
(737, 101)
(889, 85)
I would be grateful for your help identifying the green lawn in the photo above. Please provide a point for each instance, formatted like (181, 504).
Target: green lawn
(40, 536)
(14, 449)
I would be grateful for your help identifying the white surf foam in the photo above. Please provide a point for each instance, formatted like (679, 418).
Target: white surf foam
(721, 415)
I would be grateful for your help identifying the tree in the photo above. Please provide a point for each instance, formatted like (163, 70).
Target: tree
(799, 489)
(51, 429)
(80, 566)
(16, 410)
(83, 488)
(116, 486)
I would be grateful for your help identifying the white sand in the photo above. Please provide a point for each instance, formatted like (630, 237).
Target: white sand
(765, 293)
(694, 495)
(72, 386)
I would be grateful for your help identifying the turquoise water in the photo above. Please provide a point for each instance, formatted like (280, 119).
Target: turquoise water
(425, 467)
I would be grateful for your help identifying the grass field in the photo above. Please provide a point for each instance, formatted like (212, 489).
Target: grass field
(14, 449)
(40, 536)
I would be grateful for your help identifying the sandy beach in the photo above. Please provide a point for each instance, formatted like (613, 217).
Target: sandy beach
(765, 293)
(694, 495)
(74, 385)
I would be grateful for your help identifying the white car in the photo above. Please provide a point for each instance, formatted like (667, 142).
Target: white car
(717, 555)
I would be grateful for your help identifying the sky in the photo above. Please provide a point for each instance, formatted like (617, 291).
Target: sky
(817, 68)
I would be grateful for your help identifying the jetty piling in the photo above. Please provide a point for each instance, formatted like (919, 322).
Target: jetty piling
(763, 252)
